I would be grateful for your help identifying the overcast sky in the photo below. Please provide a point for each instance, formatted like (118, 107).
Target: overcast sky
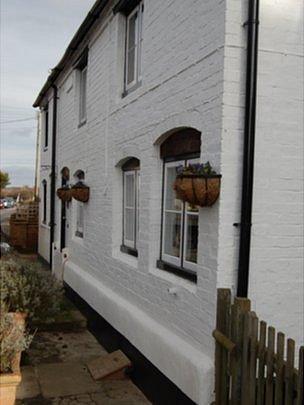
(34, 35)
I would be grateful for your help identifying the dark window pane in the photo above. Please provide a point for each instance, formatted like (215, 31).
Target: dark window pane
(192, 236)
(172, 234)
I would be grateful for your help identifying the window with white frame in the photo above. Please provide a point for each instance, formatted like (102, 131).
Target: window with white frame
(44, 201)
(134, 39)
(46, 126)
(79, 208)
(179, 228)
(180, 222)
(81, 66)
(83, 95)
(79, 219)
(131, 184)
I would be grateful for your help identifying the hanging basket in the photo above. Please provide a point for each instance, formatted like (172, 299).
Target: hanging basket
(64, 193)
(80, 192)
(198, 189)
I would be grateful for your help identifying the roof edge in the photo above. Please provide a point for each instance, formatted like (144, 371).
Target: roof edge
(84, 28)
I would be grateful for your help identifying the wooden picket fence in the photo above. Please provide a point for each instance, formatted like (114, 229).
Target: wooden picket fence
(253, 364)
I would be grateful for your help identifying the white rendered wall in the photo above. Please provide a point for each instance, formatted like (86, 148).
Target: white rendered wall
(276, 266)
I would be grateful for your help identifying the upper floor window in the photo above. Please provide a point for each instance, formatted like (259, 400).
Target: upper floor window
(179, 239)
(46, 126)
(44, 201)
(134, 39)
(131, 182)
(82, 68)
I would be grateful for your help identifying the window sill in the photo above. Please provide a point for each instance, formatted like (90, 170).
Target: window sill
(78, 239)
(129, 251)
(81, 124)
(44, 225)
(131, 89)
(127, 259)
(174, 279)
(183, 273)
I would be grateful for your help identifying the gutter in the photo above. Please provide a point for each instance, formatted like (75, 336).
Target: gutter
(53, 173)
(248, 151)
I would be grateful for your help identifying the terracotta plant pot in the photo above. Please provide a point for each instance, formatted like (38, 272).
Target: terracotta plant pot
(196, 189)
(80, 192)
(10, 381)
(8, 387)
(64, 193)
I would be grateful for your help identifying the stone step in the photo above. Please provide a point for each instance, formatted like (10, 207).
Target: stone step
(110, 366)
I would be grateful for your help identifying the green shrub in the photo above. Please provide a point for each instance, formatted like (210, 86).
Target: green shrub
(13, 340)
(27, 288)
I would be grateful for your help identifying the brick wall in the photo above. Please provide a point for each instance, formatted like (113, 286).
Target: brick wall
(193, 75)
(276, 266)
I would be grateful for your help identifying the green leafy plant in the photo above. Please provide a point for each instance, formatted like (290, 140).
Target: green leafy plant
(13, 340)
(26, 288)
(203, 169)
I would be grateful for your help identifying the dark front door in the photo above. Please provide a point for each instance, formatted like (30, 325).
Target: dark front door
(63, 225)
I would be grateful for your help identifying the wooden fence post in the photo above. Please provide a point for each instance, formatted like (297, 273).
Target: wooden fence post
(300, 397)
(240, 307)
(221, 355)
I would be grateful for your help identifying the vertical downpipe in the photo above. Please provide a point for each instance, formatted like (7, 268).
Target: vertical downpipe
(248, 153)
(53, 174)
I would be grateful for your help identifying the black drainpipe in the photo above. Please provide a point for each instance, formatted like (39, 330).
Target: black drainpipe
(53, 174)
(248, 153)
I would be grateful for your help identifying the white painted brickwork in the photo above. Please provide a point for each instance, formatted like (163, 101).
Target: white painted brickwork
(193, 75)
(276, 266)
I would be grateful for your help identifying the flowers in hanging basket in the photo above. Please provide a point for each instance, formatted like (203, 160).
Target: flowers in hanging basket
(80, 192)
(197, 184)
(64, 193)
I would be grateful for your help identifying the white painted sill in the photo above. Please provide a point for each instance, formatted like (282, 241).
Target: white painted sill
(174, 279)
(78, 240)
(130, 260)
(45, 226)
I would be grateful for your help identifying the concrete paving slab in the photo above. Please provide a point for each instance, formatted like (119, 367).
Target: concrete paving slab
(64, 379)
(119, 390)
(29, 387)
(55, 347)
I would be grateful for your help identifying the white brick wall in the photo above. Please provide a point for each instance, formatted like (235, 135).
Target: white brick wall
(193, 75)
(276, 266)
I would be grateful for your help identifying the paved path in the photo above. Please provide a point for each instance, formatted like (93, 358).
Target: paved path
(54, 368)
(56, 374)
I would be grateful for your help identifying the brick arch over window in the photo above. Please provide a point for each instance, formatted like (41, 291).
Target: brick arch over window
(186, 141)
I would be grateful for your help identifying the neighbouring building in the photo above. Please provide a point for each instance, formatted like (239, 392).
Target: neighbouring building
(142, 88)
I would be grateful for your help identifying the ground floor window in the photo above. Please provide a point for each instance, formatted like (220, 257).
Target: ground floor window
(79, 219)
(131, 183)
(179, 223)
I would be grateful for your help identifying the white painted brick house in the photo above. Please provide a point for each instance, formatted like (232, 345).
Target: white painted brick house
(182, 65)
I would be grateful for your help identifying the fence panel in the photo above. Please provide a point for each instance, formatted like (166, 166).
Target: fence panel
(250, 365)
